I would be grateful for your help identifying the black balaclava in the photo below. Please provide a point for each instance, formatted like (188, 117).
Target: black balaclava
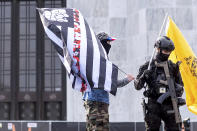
(162, 57)
(104, 37)
(106, 46)
(164, 43)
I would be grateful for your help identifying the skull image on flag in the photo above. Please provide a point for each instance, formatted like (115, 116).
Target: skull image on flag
(79, 50)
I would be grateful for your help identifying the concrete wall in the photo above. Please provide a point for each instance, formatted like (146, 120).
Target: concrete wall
(136, 24)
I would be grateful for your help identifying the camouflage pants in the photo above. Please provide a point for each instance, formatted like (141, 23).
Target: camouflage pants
(97, 116)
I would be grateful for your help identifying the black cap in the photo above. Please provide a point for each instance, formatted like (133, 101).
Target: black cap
(104, 36)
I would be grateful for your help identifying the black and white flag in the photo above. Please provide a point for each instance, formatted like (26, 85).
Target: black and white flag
(79, 50)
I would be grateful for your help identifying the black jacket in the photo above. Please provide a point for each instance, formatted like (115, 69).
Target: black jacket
(152, 85)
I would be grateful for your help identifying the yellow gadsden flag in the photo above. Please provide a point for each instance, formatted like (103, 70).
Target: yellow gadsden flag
(188, 67)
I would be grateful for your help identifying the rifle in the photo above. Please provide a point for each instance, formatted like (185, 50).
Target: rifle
(172, 91)
(164, 96)
(144, 107)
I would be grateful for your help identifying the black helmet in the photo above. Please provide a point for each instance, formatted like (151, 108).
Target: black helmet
(104, 36)
(164, 43)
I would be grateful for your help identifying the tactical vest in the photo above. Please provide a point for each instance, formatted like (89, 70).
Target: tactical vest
(157, 84)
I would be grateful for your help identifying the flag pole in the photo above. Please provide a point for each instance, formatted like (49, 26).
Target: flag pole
(153, 54)
(154, 51)
(122, 71)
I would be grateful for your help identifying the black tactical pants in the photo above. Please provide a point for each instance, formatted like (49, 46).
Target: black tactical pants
(156, 113)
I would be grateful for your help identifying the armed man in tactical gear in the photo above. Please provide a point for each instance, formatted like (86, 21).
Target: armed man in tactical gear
(165, 88)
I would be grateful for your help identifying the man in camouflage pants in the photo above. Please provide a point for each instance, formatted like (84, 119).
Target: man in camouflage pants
(97, 116)
(97, 101)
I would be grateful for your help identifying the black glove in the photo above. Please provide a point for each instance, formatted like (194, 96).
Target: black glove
(181, 101)
(147, 74)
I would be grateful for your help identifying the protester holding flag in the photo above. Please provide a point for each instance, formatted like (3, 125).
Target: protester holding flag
(97, 101)
(85, 59)
(156, 79)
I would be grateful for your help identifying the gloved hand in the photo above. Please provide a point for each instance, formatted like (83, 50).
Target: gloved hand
(181, 101)
(147, 74)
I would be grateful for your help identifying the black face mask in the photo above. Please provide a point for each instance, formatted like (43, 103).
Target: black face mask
(162, 57)
(106, 46)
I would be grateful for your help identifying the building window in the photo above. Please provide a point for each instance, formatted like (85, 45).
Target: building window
(32, 78)
(27, 46)
(5, 45)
